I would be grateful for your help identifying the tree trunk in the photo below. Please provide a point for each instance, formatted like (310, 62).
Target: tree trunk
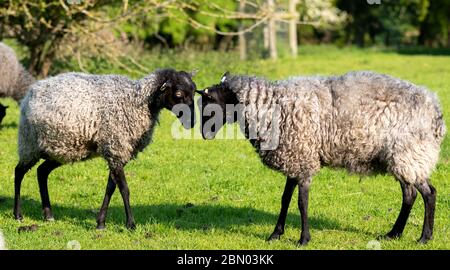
(47, 63)
(266, 36)
(422, 34)
(387, 39)
(42, 55)
(272, 30)
(293, 27)
(41, 61)
(448, 35)
(242, 42)
(359, 36)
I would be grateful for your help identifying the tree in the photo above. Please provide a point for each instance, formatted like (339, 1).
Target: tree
(293, 43)
(434, 29)
(242, 41)
(395, 22)
(319, 13)
(46, 26)
(42, 25)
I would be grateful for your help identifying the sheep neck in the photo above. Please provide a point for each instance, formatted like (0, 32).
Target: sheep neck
(258, 97)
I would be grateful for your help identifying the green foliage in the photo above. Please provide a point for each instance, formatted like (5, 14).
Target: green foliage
(42, 25)
(396, 22)
(198, 22)
(435, 28)
(176, 29)
(236, 199)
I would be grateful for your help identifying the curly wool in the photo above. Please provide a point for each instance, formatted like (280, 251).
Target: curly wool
(76, 116)
(362, 121)
(14, 79)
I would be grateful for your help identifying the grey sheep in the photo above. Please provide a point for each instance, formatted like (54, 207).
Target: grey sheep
(14, 79)
(363, 121)
(74, 116)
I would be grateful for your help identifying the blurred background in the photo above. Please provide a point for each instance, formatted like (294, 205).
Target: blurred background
(61, 35)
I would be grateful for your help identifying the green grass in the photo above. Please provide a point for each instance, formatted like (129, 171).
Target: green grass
(236, 199)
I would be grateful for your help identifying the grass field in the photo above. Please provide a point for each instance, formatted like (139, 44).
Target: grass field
(195, 194)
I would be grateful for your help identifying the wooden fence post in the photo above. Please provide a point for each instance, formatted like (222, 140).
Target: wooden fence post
(272, 30)
(242, 41)
(293, 27)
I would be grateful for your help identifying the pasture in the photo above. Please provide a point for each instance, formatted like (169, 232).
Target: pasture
(195, 194)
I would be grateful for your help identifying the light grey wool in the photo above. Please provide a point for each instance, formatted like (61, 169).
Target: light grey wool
(14, 79)
(362, 121)
(2, 242)
(76, 116)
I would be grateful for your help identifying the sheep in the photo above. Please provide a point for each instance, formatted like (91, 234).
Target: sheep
(362, 121)
(14, 79)
(75, 116)
(2, 112)
(2, 242)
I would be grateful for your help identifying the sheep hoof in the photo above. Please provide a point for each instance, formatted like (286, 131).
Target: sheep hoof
(48, 215)
(274, 236)
(131, 226)
(303, 241)
(423, 240)
(389, 236)
(18, 217)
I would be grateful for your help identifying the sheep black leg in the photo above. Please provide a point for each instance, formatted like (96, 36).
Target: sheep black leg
(42, 174)
(409, 196)
(303, 193)
(2, 112)
(110, 188)
(19, 172)
(428, 193)
(118, 177)
(285, 201)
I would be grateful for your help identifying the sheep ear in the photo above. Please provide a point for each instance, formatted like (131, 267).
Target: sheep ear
(165, 86)
(193, 73)
(203, 93)
(225, 77)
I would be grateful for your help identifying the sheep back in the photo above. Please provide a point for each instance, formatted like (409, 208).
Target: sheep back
(77, 116)
(14, 79)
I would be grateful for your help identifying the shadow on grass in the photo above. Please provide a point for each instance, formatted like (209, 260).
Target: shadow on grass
(183, 217)
(8, 125)
(419, 50)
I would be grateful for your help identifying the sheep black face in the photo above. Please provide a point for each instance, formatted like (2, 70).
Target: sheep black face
(178, 95)
(217, 107)
(2, 112)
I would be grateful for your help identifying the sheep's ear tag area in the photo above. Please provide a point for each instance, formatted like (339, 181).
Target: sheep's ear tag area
(164, 86)
(224, 77)
(203, 93)
(193, 73)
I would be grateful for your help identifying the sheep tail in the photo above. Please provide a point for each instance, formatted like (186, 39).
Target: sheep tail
(439, 127)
